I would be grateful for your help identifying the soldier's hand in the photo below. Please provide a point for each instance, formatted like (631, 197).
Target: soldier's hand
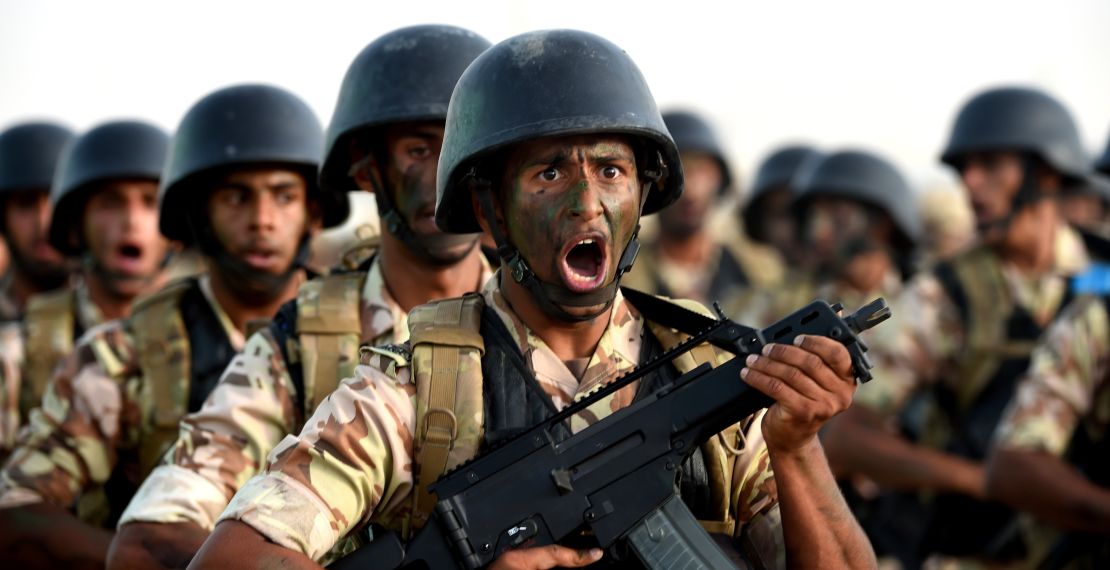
(810, 382)
(544, 557)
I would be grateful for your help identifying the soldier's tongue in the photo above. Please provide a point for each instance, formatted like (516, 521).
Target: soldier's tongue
(582, 264)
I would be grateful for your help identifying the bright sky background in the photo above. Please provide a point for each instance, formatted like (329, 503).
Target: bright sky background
(878, 74)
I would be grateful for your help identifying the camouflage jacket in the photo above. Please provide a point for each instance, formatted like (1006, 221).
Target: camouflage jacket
(352, 462)
(923, 341)
(16, 377)
(224, 444)
(1067, 388)
(93, 417)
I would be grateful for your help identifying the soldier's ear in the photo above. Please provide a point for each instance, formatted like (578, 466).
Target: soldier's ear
(364, 169)
(498, 212)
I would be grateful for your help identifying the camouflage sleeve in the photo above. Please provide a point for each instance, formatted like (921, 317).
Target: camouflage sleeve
(1066, 369)
(11, 362)
(71, 441)
(223, 444)
(755, 502)
(353, 458)
(909, 350)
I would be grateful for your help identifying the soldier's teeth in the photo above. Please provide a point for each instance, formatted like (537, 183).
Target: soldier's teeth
(587, 241)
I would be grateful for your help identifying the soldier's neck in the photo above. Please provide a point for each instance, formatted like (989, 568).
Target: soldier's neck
(693, 249)
(568, 340)
(1031, 246)
(243, 310)
(412, 281)
(110, 304)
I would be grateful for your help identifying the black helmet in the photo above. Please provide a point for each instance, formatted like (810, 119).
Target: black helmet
(239, 126)
(541, 84)
(405, 75)
(868, 178)
(121, 149)
(692, 133)
(1020, 119)
(29, 154)
(778, 170)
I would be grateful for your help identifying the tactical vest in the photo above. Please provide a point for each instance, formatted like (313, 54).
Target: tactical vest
(999, 339)
(182, 352)
(51, 326)
(460, 410)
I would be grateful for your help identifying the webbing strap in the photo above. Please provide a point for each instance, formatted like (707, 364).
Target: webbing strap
(50, 325)
(328, 327)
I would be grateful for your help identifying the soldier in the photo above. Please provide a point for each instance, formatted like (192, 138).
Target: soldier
(687, 258)
(964, 331)
(391, 112)
(554, 145)
(239, 182)
(768, 214)
(28, 156)
(104, 211)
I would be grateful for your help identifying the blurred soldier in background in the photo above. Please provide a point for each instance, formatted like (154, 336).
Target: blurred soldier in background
(28, 156)
(1052, 449)
(104, 205)
(686, 258)
(858, 229)
(768, 214)
(948, 224)
(385, 137)
(240, 184)
(965, 330)
(345, 247)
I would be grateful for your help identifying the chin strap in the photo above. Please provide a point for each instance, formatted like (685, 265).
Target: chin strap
(552, 297)
(247, 283)
(1028, 193)
(395, 224)
(97, 269)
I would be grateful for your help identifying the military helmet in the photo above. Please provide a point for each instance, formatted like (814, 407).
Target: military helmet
(240, 126)
(868, 178)
(541, 84)
(1019, 119)
(116, 150)
(29, 153)
(778, 170)
(692, 133)
(405, 75)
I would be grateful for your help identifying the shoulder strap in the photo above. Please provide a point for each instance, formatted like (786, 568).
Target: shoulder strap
(447, 347)
(328, 329)
(162, 342)
(51, 326)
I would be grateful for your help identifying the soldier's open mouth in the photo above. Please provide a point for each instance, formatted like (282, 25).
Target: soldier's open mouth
(583, 263)
(128, 258)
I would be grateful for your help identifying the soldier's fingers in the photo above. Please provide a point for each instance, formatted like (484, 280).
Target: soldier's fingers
(774, 387)
(811, 364)
(545, 557)
(787, 374)
(832, 352)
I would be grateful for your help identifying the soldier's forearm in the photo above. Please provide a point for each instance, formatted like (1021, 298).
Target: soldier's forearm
(46, 536)
(236, 545)
(155, 545)
(857, 443)
(1050, 489)
(818, 528)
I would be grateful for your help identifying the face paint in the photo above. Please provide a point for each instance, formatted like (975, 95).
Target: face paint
(836, 230)
(571, 207)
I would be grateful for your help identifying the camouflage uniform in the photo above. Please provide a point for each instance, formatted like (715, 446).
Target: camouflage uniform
(1066, 390)
(924, 337)
(93, 418)
(16, 376)
(252, 408)
(352, 463)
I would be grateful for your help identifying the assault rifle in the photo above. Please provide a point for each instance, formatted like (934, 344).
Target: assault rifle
(615, 478)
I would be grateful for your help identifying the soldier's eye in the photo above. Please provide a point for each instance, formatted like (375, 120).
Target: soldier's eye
(550, 175)
(610, 172)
